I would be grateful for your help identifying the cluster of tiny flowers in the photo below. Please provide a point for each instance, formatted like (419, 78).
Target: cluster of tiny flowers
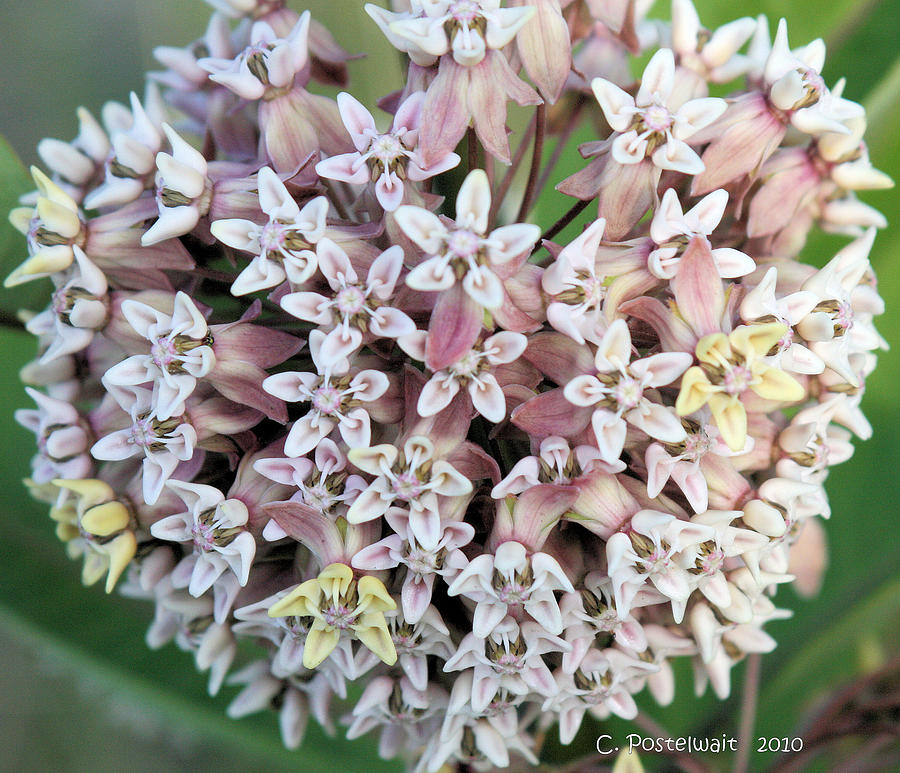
(288, 395)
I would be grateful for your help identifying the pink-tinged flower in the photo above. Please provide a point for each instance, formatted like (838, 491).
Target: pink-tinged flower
(423, 564)
(585, 285)
(216, 527)
(321, 484)
(184, 73)
(77, 163)
(601, 685)
(463, 255)
(164, 443)
(545, 47)
(793, 93)
(650, 124)
(407, 715)
(473, 740)
(618, 392)
(79, 307)
(682, 462)
(672, 230)
(474, 78)
(761, 302)
(472, 371)
(293, 124)
(731, 366)
(650, 550)
(284, 247)
(509, 658)
(664, 644)
(180, 353)
(334, 395)
(557, 463)
(384, 159)
(796, 87)
(268, 63)
(356, 311)
(62, 439)
(189, 621)
(510, 581)
(590, 613)
(732, 643)
(707, 560)
(413, 476)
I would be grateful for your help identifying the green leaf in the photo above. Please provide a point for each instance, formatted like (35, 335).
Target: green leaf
(14, 181)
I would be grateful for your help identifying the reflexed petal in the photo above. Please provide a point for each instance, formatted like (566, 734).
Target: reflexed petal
(488, 397)
(359, 121)
(484, 287)
(436, 395)
(510, 241)
(346, 167)
(473, 202)
(617, 105)
(610, 432)
(658, 79)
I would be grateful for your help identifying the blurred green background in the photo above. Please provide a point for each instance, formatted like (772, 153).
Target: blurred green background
(79, 691)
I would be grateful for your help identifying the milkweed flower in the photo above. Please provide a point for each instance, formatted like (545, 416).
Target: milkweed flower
(382, 448)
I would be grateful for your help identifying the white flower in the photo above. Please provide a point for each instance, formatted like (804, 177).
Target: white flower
(355, 309)
(472, 371)
(385, 159)
(577, 308)
(510, 578)
(557, 462)
(183, 190)
(796, 85)
(649, 124)
(650, 551)
(600, 685)
(424, 564)
(216, 527)
(413, 476)
(334, 395)
(761, 302)
(712, 55)
(132, 160)
(180, 353)
(268, 63)
(509, 658)
(618, 392)
(672, 230)
(164, 443)
(466, 250)
(467, 28)
(284, 245)
(77, 310)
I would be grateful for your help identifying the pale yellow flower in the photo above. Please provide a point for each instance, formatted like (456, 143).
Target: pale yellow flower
(729, 366)
(339, 603)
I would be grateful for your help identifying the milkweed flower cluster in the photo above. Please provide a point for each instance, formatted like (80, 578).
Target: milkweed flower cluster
(309, 385)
